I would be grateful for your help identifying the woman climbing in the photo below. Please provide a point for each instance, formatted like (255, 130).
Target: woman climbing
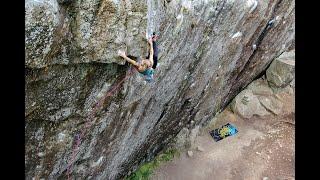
(146, 66)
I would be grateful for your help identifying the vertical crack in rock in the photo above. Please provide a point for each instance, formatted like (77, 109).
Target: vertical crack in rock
(235, 88)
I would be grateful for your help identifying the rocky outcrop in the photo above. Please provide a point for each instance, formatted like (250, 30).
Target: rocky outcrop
(281, 71)
(209, 50)
(262, 96)
(185, 138)
(246, 104)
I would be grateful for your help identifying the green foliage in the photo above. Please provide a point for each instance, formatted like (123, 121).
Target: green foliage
(146, 169)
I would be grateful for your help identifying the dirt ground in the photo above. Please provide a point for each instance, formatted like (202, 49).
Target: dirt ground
(262, 149)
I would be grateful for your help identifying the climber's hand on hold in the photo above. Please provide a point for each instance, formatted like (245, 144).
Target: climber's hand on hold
(154, 37)
(121, 53)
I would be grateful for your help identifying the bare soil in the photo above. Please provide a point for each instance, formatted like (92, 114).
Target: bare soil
(262, 149)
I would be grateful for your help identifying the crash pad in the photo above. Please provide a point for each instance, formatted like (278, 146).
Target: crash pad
(223, 132)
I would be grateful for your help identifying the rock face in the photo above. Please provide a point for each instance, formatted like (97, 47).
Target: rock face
(281, 71)
(42, 20)
(73, 32)
(209, 50)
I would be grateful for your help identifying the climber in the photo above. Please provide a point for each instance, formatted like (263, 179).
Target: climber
(146, 66)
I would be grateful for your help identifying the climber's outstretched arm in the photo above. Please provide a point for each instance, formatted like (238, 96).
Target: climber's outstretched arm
(123, 54)
(151, 51)
(131, 61)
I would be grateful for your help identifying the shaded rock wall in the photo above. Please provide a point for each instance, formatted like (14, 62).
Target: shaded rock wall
(209, 50)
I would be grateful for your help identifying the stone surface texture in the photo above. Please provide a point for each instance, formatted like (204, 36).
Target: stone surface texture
(206, 54)
(246, 104)
(282, 70)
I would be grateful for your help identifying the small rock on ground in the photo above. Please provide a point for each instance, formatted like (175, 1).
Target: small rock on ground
(199, 148)
(190, 153)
